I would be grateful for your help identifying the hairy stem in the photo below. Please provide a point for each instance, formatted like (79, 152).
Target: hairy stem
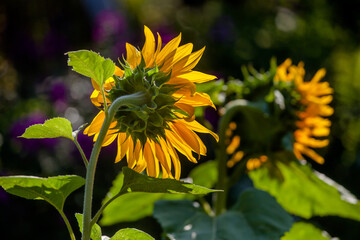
(135, 99)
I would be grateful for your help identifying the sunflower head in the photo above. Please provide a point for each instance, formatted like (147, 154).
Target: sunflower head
(312, 103)
(149, 120)
(153, 132)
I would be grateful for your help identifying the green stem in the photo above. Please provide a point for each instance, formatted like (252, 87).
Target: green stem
(206, 206)
(104, 97)
(135, 99)
(99, 212)
(71, 232)
(221, 157)
(81, 152)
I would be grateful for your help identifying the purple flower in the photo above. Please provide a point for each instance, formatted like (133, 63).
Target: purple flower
(58, 91)
(108, 24)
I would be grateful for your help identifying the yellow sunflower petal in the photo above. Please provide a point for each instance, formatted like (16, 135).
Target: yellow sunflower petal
(197, 77)
(187, 136)
(175, 160)
(152, 162)
(194, 58)
(148, 50)
(197, 100)
(120, 152)
(130, 153)
(318, 75)
(168, 48)
(159, 45)
(177, 143)
(197, 127)
(234, 144)
(161, 157)
(95, 125)
(183, 51)
(313, 155)
(133, 56)
(186, 108)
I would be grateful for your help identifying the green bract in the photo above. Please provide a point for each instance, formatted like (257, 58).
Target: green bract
(151, 119)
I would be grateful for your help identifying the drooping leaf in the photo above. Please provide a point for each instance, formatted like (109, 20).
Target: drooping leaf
(255, 216)
(52, 128)
(306, 193)
(92, 65)
(54, 190)
(137, 205)
(135, 182)
(95, 230)
(131, 234)
(302, 230)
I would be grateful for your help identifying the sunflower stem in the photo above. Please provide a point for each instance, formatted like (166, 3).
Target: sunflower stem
(138, 98)
(220, 198)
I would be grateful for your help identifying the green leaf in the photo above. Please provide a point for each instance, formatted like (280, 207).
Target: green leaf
(256, 215)
(95, 230)
(132, 207)
(52, 128)
(92, 65)
(302, 230)
(54, 190)
(131, 234)
(304, 192)
(137, 205)
(205, 174)
(135, 182)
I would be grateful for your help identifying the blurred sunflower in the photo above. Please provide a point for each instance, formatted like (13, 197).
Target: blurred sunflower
(315, 97)
(150, 135)
(233, 143)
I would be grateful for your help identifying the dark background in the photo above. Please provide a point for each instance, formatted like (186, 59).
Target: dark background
(36, 83)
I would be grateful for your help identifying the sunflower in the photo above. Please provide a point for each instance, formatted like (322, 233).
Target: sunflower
(150, 136)
(233, 142)
(312, 125)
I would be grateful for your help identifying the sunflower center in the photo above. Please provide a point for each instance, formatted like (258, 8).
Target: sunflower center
(147, 121)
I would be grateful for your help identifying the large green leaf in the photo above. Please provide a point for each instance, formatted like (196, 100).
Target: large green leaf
(304, 192)
(52, 128)
(205, 174)
(256, 215)
(92, 65)
(136, 205)
(132, 206)
(95, 230)
(302, 230)
(131, 234)
(54, 190)
(135, 182)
